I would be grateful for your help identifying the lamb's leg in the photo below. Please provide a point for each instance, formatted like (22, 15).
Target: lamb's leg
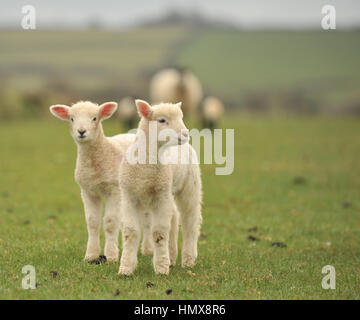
(130, 237)
(92, 206)
(161, 222)
(189, 204)
(111, 227)
(147, 243)
(173, 240)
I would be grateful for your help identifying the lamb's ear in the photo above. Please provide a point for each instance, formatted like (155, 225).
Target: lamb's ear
(144, 109)
(179, 104)
(60, 111)
(107, 109)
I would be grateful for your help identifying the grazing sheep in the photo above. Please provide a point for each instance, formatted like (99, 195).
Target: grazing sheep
(97, 171)
(212, 111)
(161, 189)
(174, 85)
(127, 112)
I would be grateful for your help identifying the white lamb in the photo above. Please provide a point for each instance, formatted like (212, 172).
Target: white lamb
(97, 171)
(160, 190)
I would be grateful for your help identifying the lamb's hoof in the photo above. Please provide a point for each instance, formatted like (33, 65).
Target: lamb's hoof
(125, 271)
(162, 269)
(90, 258)
(188, 262)
(112, 256)
(111, 253)
(99, 260)
(112, 259)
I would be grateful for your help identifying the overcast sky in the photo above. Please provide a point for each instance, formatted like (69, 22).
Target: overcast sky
(245, 13)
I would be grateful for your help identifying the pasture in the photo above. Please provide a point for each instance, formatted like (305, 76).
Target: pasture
(323, 65)
(296, 181)
(85, 61)
(320, 69)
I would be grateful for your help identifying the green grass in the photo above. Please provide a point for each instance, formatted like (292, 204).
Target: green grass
(85, 60)
(42, 221)
(229, 64)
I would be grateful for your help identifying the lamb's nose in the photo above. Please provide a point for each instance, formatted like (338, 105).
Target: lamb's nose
(81, 132)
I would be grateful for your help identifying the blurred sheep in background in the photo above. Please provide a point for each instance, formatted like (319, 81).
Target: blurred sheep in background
(127, 113)
(211, 112)
(177, 84)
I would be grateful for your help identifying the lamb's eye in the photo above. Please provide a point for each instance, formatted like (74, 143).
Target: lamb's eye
(94, 119)
(72, 119)
(162, 120)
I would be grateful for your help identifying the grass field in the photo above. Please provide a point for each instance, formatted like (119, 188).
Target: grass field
(324, 64)
(42, 221)
(85, 60)
(230, 64)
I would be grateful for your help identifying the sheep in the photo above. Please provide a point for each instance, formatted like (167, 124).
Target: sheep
(97, 171)
(212, 111)
(127, 112)
(176, 84)
(163, 189)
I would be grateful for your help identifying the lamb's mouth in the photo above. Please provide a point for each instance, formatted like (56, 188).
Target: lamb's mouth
(82, 137)
(182, 141)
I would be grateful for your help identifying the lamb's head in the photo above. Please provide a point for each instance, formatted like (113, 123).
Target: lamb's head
(169, 121)
(85, 118)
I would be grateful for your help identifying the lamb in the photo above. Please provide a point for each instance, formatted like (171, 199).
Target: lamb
(160, 189)
(212, 111)
(177, 84)
(97, 171)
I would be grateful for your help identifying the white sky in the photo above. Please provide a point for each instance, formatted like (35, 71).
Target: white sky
(246, 13)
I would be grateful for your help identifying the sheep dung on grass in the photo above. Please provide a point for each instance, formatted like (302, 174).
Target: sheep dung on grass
(161, 189)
